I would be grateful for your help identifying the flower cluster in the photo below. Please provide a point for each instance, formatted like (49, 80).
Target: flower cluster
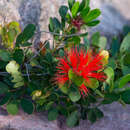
(80, 67)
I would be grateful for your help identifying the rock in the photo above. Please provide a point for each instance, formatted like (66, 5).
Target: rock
(23, 121)
(114, 13)
(116, 117)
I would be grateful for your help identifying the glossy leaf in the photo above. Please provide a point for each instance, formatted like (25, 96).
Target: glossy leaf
(12, 108)
(124, 80)
(18, 56)
(92, 15)
(52, 114)
(93, 23)
(110, 77)
(5, 99)
(72, 119)
(27, 106)
(125, 45)
(125, 96)
(5, 55)
(74, 9)
(91, 116)
(63, 11)
(3, 88)
(74, 96)
(71, 3)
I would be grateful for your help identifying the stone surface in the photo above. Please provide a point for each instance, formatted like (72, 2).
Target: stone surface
(116, 117)
(114, 13)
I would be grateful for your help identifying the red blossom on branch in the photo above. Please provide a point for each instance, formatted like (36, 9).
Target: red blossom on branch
(83, 64)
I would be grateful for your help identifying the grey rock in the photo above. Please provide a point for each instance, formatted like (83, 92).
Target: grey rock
(114, 14)
(116, 117)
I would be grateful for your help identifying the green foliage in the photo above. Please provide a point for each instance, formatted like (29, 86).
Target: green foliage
(110, 77)
(125, 96)
(3, 88)
(13, 68)
(8, 33)
(27, 106)
(99, 41)
(93, 14)
(27, 33)
(5, 99)
(75, 9)
(28, 78)
(52, 114)
(125, 44)
(63, 11)
(72, 119)
(12, 107)
(5, 55)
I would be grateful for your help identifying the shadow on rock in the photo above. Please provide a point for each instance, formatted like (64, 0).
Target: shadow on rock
(30, 12)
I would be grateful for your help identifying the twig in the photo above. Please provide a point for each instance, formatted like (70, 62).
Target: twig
(6, 73)
(37, 52)
(26, 65)
(57, 34)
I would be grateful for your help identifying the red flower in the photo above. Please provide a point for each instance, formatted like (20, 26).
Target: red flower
(84, 65)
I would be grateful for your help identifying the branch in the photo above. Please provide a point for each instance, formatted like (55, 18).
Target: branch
(37, 53)
(57, 34)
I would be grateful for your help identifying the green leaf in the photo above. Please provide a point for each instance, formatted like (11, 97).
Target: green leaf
(12, 108)
(82, 5)
(125, 96)
(115, 46)
(74, 96)
(11, 35)
(51, 26)
(126, 30)
(95, 38)
(52, 114)
(78, 80)
(64, 88)
(18, 56)
(61, 52)
(93, 23)
(15, 25)
(5, 99)
(99, 114)
(63, 11)
(13, 68)
(72, 119)
(102, 42)
(125, 69)
(27, 34)
(126, 59)
(92, 15)
(112, 63)
(110, 77)
(84, 12)
(74, 9)
(124, 80)
(71, 3)
(110, 97)
(49, 105)
(125, 45)
(91, 116)
(99, 41)
(93, 83)
(4, 55)
(3, 88)
(26, 44)
(27, 106)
